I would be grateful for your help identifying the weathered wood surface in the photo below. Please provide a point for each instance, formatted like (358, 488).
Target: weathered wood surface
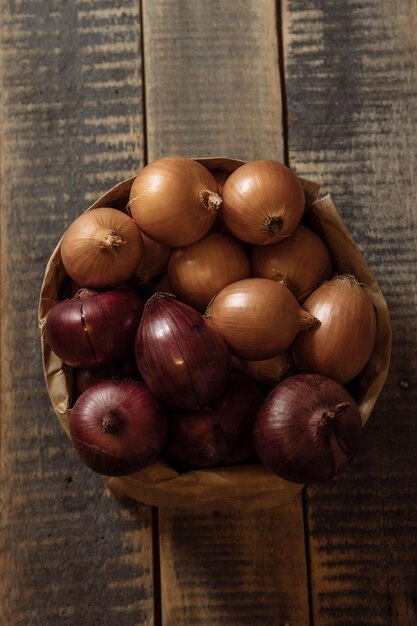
(210, 90)
(351, 88)
(72, 123)
(246, 569)
(212, 79)
(71, 126)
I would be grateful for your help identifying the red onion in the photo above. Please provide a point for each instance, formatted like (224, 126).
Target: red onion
(93, 329)
(117, 427)
(219, 435)
(85, 378)
(308, 429)
(183, 361)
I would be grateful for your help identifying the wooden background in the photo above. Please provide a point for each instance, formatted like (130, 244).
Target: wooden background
(90, 91)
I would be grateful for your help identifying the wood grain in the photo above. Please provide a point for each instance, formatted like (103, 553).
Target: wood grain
(71, 126)
(212, 80)
(243, 569)
(351, 89)
(213, 88)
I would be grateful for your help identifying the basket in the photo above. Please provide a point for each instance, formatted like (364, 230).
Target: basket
(242, 487)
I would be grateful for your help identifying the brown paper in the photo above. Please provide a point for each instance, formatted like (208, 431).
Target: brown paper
(243, 487)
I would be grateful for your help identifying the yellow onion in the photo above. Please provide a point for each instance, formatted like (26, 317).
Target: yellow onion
(342, 344)
(174, 201)
(302, 262)
(263, 201)
(258, 318)
(198, 272)
(268, 371)
(101, 248)
(154, 260)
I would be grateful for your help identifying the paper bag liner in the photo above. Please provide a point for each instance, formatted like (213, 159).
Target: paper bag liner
(241, 487)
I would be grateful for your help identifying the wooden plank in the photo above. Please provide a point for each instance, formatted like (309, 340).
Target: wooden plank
(234, 569)
(351, 88)
(212, 80)
(212, 88)
(71, 125)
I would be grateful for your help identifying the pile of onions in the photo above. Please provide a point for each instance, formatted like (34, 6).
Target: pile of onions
(239, 299)
(198, 272)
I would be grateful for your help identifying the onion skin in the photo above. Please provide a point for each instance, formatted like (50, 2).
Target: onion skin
(183, 361)
(258, 318)
(174, 201)
(93, 329)
(198, 272)
(302, 262)
(118, 427)
(85, 378)
(219, 435)
(263, 201)
(308, 429)
(154, 260)
(269, 371)
(101, 248)
(341, 345)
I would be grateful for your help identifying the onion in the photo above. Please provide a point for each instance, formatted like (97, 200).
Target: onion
(117, 427)
(93, 329)
(174, 201)
(183, 361)
(263, 201)
(307, 429)
(341, 346)
(198, 272)
(269, 371)
(154, 260)
(102, 248)
(82, 379)
(219, 435)
(302, 262)
(258, 318)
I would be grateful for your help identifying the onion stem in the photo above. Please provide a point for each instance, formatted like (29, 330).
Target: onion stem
(211, 200)
(111, 422)
(331, 417)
